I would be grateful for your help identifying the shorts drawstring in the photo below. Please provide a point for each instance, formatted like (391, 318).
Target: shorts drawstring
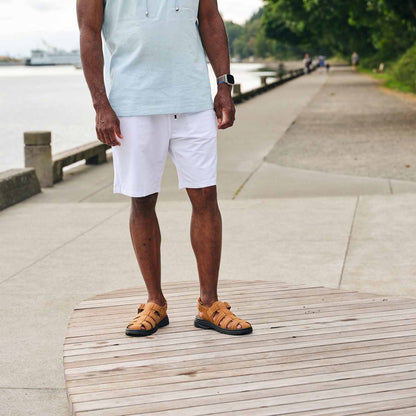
(147, 6)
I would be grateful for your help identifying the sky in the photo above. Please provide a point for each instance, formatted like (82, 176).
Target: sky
(24, 23)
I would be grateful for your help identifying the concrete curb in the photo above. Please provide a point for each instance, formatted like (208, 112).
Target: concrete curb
(17, 185)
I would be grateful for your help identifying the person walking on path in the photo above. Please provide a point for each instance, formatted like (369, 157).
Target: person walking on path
(307, 62)
(355, 59)
(159, 102)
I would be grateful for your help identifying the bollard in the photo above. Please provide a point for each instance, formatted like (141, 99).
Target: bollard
(237, 89)
(38, 155)
(263, 79)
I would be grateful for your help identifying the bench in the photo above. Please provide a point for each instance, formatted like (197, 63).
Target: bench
(94, 154)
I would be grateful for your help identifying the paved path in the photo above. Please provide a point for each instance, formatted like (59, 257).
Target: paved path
(72, 242)
(352, 128)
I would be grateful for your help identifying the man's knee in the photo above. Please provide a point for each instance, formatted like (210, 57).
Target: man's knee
(203, 199)
(144, 205)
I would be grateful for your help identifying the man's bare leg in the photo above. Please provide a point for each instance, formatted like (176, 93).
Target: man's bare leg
(145, 236)
(206, 239)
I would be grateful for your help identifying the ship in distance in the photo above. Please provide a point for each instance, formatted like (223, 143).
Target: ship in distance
(53, 56)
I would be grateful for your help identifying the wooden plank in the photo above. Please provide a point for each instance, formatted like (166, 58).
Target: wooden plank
(310, 321)
(314, 350)
(272, 345)
(380, 365)
(292, 360)
(201, 345)
(185, 308)
(176, 343)
(173, 329)
(289, 386)
(271, 324)
(286, 398)
(252, 381)
(391, 407)
(294, 311)
(333, 356)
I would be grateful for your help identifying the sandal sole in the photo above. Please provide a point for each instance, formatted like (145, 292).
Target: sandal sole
(145, 332)
(203, 324)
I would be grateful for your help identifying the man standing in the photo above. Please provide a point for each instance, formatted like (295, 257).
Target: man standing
(159, 102)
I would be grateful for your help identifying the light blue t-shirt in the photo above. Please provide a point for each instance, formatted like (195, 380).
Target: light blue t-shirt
(157, 62)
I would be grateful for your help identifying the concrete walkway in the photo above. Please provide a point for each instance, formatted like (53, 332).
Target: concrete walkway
(286, 223)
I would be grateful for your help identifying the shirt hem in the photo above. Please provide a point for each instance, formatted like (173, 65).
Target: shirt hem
(129, 112)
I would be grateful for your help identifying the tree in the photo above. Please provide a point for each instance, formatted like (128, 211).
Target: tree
(405, 9)
(234, 31)
(250, 39)
(372, 27)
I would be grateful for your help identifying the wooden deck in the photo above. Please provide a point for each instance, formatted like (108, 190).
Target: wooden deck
(313, 351)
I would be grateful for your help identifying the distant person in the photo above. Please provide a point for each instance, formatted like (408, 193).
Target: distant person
(159, 102)
(355, 59)
(327, 66)
(321, 63)
(307, 62)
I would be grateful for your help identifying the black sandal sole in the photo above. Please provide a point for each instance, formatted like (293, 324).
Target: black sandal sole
(145, 332)
(203, 324)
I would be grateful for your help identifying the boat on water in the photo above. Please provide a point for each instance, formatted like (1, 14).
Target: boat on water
(54, 56)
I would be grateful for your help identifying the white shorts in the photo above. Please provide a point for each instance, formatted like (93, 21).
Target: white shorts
(189, 138)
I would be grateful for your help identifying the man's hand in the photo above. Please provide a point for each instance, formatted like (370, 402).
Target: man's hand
(224, 107)
(108, 126)
(215, 42)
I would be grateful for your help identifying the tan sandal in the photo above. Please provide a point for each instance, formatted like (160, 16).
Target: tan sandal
(220, 318)
(152, 316)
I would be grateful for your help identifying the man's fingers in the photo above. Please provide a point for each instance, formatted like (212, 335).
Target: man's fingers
(227, 120)
(105, 137)
(98, 134)
(116, 141)
(218, 112)
(118, 129)
(101, 136)
(110, 137)
(225, 117)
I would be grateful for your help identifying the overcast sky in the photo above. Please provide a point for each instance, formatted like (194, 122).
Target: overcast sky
(24, 22)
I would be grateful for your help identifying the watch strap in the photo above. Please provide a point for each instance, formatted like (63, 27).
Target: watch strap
(223, 79)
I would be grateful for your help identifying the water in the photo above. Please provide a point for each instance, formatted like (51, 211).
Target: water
(57, 99)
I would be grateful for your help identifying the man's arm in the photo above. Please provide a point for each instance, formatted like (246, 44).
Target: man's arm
(215, 41)
(90, 19)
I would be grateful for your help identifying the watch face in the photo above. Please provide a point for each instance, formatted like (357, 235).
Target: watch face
(230, 79)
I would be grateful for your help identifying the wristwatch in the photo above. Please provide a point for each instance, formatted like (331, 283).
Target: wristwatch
(227, 79)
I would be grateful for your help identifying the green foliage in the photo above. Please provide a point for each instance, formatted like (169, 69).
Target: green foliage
(333, 25)
(388, 80)
(405, 69)
(405, 9)
(250, 40)
(234, 32)
(382, 28)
